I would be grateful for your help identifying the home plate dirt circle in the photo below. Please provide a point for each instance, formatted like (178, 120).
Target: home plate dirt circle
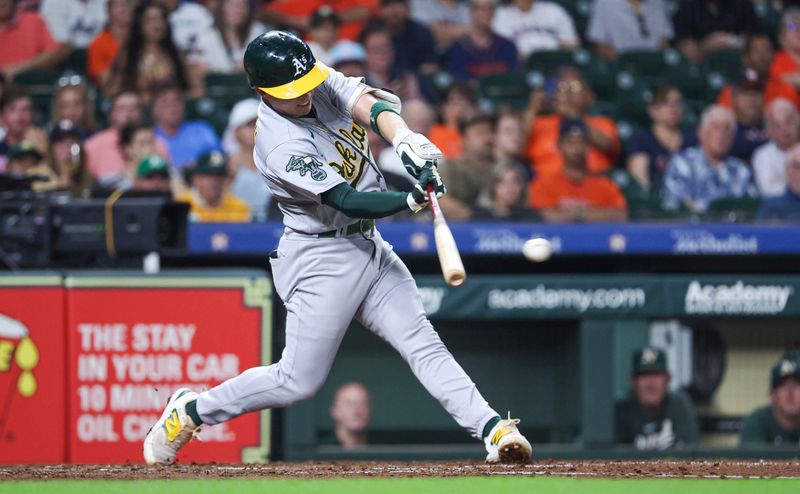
(317, 470)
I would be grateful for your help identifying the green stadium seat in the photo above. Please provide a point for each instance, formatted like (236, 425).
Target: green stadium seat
(228, 86)
(631, 104)
(41, 85)
(734, 210)
(547, 61)
(692, 82)
(510, 89)
(76, 61)
(725, 62)
(643, 63)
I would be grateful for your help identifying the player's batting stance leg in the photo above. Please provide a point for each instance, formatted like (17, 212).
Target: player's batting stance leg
(330, 268)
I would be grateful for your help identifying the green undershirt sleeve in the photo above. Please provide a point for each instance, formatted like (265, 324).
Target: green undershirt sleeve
(364, 204)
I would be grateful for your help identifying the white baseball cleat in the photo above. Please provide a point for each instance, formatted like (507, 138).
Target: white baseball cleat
(172, 431)
(505, 444)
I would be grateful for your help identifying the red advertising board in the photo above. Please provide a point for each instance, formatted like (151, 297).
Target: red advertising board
(32, 385)
(133, 340)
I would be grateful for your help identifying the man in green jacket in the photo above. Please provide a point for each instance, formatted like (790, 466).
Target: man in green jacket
(779, 422)
(652, 417)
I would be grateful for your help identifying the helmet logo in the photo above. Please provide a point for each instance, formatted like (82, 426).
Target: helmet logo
(299, 65)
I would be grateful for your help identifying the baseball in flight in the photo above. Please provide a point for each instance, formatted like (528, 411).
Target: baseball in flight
(537, 249)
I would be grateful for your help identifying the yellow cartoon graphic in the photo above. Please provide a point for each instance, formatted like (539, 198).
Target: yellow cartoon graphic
(24, 353)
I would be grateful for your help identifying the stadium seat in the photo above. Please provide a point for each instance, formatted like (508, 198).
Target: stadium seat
(643, 62)
(692, 82)
(733, 210)
(41, 85)
(547, 61)
(631, 103)
(76, 61)
(508, 89)
(228, 86)
(209, 110)
(725, 62)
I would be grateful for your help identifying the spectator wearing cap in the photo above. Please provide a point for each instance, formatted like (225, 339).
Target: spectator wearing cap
(207, 198)
(572, 99)
(779, 422)
(757, 58)
(650, 149)
(381, 69)
(458, 105)
(576, 194)
(104, 155)
(536, 25)
(239, 142)
(153, 175)
(33, 44)
(770, 159)
(448, 20)
(469, 177)
(186, 140)
(103, 48)
(706, 26)
(748, 104)
(652, 417)
(16, 114)
(220, 50)
(72, 101)
(702, 174)
(296, 15)
(480, 51)
(349, 58)
(785, 207)
(324, 30)
(413, 43)
(618, 26)
(24, 160)
(67, 160)
(187, 21)
(74, 22)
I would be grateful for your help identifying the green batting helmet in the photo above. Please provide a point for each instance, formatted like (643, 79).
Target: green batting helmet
(282, 65)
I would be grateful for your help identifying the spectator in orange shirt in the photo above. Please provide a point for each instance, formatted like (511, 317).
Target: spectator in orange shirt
(26, 42)
(458, 105)
(572, 99)
(575, 194)
(103, 48)
(296, 14)
(757, 57)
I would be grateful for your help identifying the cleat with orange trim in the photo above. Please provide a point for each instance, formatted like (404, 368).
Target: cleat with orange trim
(172, 431)
(505, 444)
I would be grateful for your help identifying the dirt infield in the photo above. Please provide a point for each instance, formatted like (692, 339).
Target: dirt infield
(313, 470)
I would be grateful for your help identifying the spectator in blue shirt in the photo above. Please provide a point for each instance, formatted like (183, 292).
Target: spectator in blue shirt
(787, 206)
(649, 150)
(414, 45)
(481, 51)
(700, 175)
(748, 103)
(185, 140)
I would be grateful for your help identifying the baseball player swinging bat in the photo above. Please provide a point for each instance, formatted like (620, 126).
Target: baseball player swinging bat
(332, 265)
(449, 258)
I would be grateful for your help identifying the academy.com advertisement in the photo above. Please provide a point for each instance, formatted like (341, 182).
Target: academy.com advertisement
(87, 364)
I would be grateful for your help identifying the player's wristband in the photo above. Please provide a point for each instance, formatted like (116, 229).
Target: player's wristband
(378, 108)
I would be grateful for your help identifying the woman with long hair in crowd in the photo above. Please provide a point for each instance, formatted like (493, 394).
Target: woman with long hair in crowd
(150, 59)
(508, 196)
(104, 48)
(73, 102)
(649, 149)
(221, 50)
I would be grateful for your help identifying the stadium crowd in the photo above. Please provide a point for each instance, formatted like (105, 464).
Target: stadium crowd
(557, 111)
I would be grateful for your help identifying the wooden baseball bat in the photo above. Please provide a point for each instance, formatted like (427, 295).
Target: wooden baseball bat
(449, 258)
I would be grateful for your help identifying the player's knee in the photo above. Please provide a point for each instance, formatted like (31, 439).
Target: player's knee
(306, 388)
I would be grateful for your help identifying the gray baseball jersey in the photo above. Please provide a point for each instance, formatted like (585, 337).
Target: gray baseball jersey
(300, 158)
(326, 282)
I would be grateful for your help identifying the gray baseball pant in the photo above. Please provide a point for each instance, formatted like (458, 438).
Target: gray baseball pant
(325, 283)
